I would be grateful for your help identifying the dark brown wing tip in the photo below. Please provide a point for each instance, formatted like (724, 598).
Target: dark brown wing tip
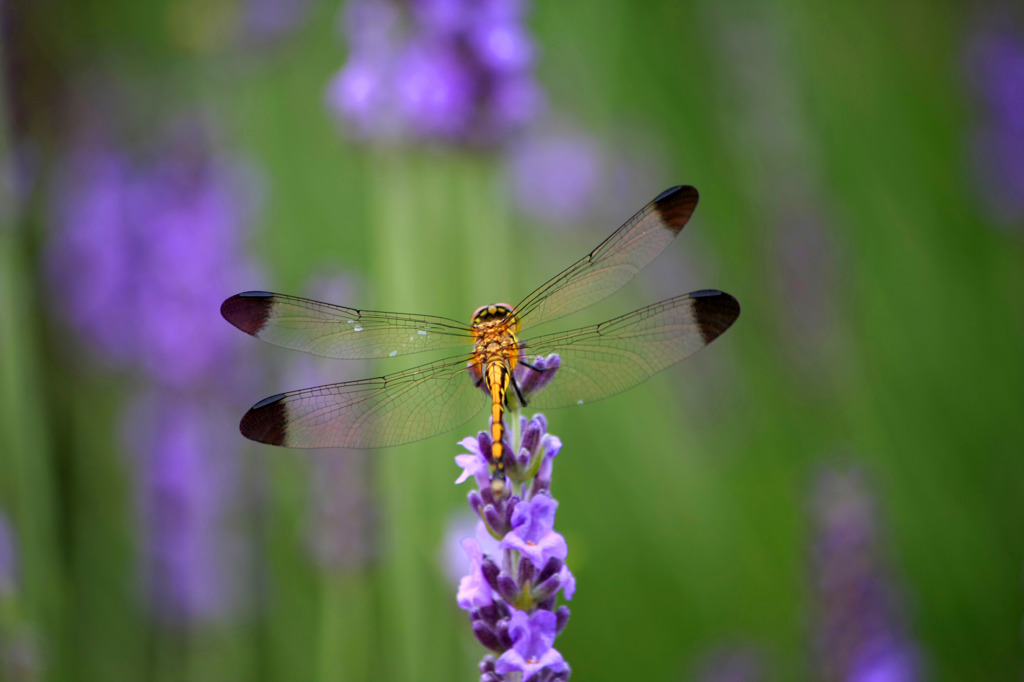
(675, 206)
(714, 312)
(265, 421)
(248, 310)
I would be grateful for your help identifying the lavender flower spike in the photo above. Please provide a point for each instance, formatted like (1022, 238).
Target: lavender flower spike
(8, 558)
(442, 71)
(512, 589)
(860, 630)
(995, 61)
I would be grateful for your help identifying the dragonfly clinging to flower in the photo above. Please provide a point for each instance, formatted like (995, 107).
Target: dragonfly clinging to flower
(597, 361)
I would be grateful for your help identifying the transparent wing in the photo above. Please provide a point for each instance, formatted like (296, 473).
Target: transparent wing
(334, 331)
(605, 359)
(615, 261)
(400, 408)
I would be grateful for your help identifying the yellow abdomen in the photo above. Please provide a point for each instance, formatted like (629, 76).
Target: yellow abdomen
(496, 354)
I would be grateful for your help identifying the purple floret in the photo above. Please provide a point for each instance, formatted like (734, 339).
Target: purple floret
(533, 532)
(531, 651)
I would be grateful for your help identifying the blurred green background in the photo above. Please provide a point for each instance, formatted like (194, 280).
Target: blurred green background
(845, 203)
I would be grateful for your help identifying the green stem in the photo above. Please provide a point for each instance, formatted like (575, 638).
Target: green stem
(395, 266)
(27, 488)
(485, 223)
(345, 620)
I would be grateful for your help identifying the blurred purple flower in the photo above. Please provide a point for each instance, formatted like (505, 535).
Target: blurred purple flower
(737, 664)
(999, 168)
(505, 47)
(144, 248)
(514, 103)
(441, 17)
(452, 71)
(995, 65)
(359, 96)
(564, 176)
(19, 170)
(142, 254)
(187, 468)
(996, 59)
(266, 21)
(859, 630)
(806, 259)
(370, 25)
(557, 176)
(20, 657)
(90, 255)
(453, 556)
(8, 558)
(435, 90)
(340, 515)
(807, 267)
(19, 643)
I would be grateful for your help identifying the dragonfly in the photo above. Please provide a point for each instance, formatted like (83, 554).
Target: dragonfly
(596, 361)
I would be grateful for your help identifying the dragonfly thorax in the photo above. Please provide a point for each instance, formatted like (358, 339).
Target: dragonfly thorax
(495, 328)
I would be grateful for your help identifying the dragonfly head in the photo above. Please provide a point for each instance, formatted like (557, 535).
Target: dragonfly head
(496, 313)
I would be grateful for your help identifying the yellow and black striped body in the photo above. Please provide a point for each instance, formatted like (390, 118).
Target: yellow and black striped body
(495, 356)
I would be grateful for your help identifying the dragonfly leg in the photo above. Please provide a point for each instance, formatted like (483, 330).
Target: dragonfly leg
(515, 385)
(535, 369)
